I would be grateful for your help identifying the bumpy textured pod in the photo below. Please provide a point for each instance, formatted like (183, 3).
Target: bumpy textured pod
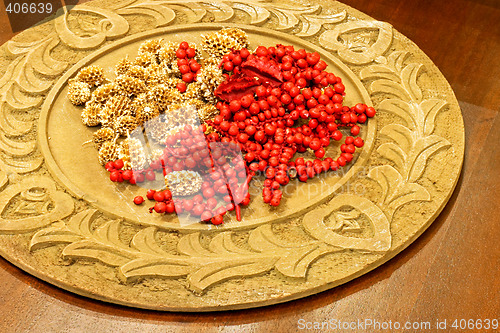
(78, 92)
(184, 182)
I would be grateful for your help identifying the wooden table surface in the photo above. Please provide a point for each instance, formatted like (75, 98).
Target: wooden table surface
(451, 272)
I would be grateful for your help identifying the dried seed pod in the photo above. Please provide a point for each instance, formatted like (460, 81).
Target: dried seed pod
(193, 91)
(122, 66)
(207, 112)
(102, 93)
(78, 92)
(166, 54)
(237, 34)
(128, 85)
(217, 44)
(181, 114)
(146, 112)
(102, 135)
(92, 75)
(90, 115)
(184, 182)
(138, 72)
(156, 74)
(124, 125)
(108, 152)
(157, 130)
(209, 78)
(133, 154)
(151, 46)
(120, 104)
(145, 59)
(159, 95)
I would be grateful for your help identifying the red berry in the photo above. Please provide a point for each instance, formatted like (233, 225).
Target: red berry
(183, 45)
(138, 200)
(206, 215)
(160, 207)
(358, 142)
(181, 86)
(159, 196)
(118, 164)
(180, 53)
(127, 174)
(150, 194)
(190, 52)
(217, 219)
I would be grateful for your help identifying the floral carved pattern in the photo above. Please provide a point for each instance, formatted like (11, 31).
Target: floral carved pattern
(410, 145)
(203, 260)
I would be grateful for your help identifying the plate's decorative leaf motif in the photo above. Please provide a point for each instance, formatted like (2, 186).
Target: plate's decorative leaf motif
(314, 224)
(111, 26)
(145, 242)
(223, 244)
(53, 235)
(163, 15)
(412, 143)
(217, 272)
(90, 249)
(354, 48)
(190, 245)
(81, 223)
(311, 24)
(258, 15)
(423, 149)
(37, 202)
(394, 153)
(155, 267)
(409, 76)
(21, 88)
(395, 191)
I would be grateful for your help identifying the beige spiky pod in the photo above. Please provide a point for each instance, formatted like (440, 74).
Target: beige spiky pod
(184, 182)
(157, 130)
(146, 112)
(102, 135)
(172, 82)
(108, 152)
(92, 75)
(156, 154)
(133, 154)
(90, 115)
(102, 93)
(122, 66)
(124, 154)
(175, 96)
(78, 92)
(129, 86)
(145, 59)
(210, 77)
(159, 95)
(208, 111)
(138, 72)
(181, 114)
(193, 91)
(124, 125)
(156, 74)
(217, 44)
(238, 35)
(152, 46)
(166, 54)
(115, 107)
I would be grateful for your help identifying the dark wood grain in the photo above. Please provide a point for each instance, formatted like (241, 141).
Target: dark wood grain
(451, 272)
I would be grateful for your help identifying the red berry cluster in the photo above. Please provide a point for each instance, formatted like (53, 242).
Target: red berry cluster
(116, 174)
(273, 119)
(187, 65)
